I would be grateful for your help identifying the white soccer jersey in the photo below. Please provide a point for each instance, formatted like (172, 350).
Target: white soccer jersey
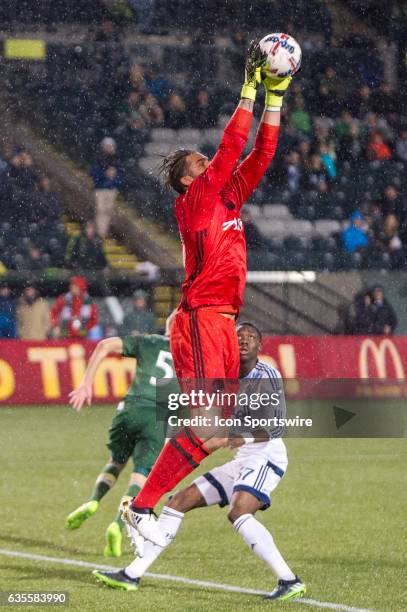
(256, 468)
(264, 370)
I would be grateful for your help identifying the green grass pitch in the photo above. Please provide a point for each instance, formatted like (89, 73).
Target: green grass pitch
(339, 517)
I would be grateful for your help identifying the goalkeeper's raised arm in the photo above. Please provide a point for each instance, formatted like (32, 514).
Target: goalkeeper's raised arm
(182, 167)
(250, 172)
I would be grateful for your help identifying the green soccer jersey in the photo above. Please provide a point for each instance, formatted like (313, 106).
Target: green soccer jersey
(154, 362)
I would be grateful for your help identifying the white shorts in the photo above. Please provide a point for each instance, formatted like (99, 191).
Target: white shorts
(258, 473)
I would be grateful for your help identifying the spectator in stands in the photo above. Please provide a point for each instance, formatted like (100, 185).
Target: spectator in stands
(325, 103)
(107, 180)
(350, 147)
(46, 208)
(331, 80)
(33, 315)
(131, 105)
(140, 320)
(254, 239)
(8, 328)
(35, 258)
(355, 236)
(361, 103)
(314, 173)
(85, 251)
(17, 188)
(304, 151)
(389, 236)
(357, 317)
(136, 78)
(238, 40)
(374, 123)
(157, 84)
(175, 109)
(293, 170)
(151, 111)
(21, 171)
(301, 119)
(343, 125)
(383, 319)
(374, 218)
(202, 112)
(371, 314)
(144, 10)
(401, 146)
(328, 161)
(384, 101)
(377, 149)
(322, 200)
(392, 202)
(74, 314)
(323, 136)
(3, 166)
(132, 136)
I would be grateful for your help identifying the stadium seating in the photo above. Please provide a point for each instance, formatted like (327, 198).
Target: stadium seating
(75, 117)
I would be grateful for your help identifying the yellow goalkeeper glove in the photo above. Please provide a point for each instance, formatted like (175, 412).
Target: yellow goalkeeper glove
(275, 90)
(254, 60)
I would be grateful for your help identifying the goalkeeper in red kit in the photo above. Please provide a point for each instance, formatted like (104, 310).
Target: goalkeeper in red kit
(203, 337)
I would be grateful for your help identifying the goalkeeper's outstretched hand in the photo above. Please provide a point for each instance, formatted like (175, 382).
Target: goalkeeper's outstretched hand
(275, 90)
(254, 61)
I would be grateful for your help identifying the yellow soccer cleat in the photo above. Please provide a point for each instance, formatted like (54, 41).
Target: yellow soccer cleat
(113, 537)
(79, 516)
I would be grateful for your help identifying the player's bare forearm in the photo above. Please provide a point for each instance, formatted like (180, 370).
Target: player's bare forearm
(83, 393)
(246, 104)
(104, 347)
(271, 117)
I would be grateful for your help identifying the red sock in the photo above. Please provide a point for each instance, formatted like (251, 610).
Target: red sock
(179, 457)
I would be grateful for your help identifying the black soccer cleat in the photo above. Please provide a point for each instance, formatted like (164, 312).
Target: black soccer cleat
(288, 589)
(117, 580)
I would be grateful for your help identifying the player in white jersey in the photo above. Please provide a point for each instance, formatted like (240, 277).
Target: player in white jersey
(245, 483)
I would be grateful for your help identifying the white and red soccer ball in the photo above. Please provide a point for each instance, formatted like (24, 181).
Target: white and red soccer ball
(283, 55)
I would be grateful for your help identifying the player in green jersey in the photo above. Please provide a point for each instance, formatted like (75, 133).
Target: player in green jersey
(135, 431)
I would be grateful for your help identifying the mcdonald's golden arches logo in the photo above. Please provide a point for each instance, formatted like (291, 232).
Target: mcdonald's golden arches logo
(379, 353)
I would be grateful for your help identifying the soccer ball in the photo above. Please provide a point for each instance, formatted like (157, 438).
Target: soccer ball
(283, 55)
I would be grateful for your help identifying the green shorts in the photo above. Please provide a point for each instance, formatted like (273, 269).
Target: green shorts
(135, 433)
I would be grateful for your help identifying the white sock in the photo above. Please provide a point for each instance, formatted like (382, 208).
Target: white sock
(169, 522)
(261, 542)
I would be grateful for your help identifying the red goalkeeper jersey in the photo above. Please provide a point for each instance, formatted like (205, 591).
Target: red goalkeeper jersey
(208, 216)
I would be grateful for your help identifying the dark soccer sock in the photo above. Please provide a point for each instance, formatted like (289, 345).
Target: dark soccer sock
(105, 481)
(131, 492)
(179, 457)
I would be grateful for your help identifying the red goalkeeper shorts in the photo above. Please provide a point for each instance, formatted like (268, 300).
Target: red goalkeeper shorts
(204, 345)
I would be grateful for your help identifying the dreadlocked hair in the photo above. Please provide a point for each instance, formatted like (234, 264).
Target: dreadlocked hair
(173, 167)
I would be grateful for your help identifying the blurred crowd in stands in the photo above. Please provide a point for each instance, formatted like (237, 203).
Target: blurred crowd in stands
(32, 231)
(32, 236)
(342, 152)
(343, 147)
(370, 313)
(74, 314)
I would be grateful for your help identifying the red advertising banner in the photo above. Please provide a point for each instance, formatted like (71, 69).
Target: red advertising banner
(45, 372)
